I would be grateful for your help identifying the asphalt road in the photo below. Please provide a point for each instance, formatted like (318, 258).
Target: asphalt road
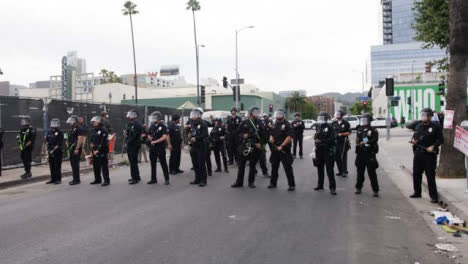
(216, 224)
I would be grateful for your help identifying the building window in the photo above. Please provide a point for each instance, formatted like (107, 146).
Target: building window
(124, 96)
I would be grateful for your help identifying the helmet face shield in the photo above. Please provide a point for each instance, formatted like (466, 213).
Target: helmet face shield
(279, 115)
(255, 113)
(338, 115)
(425, 117)
(95, 119)
(195, 115)
(72, 120)
(131, 115)
(154, 118)
(55, 123)
(24, 122)
(364, 121)
(321, 119)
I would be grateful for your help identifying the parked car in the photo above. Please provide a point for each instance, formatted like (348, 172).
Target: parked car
(308, 123)
(353, 121)
(379, 122)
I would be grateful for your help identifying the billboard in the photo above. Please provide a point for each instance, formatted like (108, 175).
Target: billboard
(420, 97)
(169, 70)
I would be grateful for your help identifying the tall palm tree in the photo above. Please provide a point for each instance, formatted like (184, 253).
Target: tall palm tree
(295, 102)
(129, 10)
(194, 5)
(105, 74)
(451, 161)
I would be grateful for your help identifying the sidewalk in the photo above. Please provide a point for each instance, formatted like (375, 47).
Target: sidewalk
(452, 191)
(41, 172)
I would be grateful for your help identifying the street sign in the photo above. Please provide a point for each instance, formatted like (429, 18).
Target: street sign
(363, 98)
(461, 140)
(448, 121)
(234, 81)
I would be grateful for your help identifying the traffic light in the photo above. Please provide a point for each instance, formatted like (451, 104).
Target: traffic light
(442, 88)
(364, 103)
(408, 100)
(202, 93)
(270, 108)
(225, 82)
(389, 91)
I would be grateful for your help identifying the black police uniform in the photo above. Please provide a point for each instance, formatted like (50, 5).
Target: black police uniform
(325, 155)
(280, 132)
(208, 151)
(26, 134)
(247, 150)
(342, 146)
(262, 157)
(217, 137)
(426, 135)
(158, 151)
(54, 141)
(233, 137)
(298, 126)
(133, 131)
(199, 131)
(72, 141)
(99, 142)
(366, 156)
(176, 142)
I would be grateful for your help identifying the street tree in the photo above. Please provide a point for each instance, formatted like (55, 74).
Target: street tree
(130, 10)
(452, 163)
(295, 103)
(358, 108)
(432, 26)
(194, 5)
(309, 111)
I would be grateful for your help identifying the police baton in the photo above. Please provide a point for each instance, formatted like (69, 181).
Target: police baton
(418, 145)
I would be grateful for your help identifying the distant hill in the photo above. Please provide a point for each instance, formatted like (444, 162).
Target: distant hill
(346, 99)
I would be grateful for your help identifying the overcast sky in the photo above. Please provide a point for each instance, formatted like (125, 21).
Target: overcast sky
(318, 46)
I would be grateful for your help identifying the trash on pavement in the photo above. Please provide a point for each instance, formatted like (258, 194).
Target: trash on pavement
(446, 247)
(442, 220)
(454, 220)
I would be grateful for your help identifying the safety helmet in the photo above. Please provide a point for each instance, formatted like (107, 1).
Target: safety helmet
(280, 114)
(132, 114)
(234, 109)
(156, 116)
(365, 120)
(25, 120)
(73, 119)
(55, 123)
(254, 111)
(323, 117)
(426, 114)
(196, 113)
(96, 119)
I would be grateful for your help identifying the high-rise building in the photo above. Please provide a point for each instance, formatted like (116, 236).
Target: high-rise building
(400, 53)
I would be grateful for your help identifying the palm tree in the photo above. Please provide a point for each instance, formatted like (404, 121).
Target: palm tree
(451, 161)
(130, 9)
(105, 74)
(194, 5)
(295, 102)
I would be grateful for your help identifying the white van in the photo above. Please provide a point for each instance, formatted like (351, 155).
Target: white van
(352, 120)
(308, 123)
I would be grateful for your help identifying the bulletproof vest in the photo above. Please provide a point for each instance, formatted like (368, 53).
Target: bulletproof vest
(325, 134)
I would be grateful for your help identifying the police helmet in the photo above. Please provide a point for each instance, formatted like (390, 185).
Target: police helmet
(132, 114)
(339, 114)
(254, 111)
(366, 119)
(55, 123)
(175, 117)
(234, 109)
(25, 120)
(426, 114)
(72, 120)
(196, 113)
(156, 116)
(280, 114)
(323, 117)
(96, 119)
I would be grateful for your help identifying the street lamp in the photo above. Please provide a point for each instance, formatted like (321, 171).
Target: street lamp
(237, 65)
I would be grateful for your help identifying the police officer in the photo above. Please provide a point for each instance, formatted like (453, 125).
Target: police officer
(267, 125)
(157, 136)
(325, 152)
(133, 132)
(366, 150)
(280, 139)
(175, 136)
(343, 130)
(105, 122)
(426, 141)
(54, 141)
(298, 126)
(26, 138)
(198, 138)
(232, 126)
(218, 137)
(99, 145)
(75, 141)
(252, 132)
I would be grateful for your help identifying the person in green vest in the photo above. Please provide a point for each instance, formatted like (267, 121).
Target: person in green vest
(26, 138)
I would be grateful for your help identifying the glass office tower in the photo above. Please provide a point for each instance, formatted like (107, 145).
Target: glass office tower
(400, 52)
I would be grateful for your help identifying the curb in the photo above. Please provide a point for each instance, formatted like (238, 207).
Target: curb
(34, 179)
(442, 197)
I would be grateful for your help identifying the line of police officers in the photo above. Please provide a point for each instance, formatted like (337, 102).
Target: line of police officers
(240, 141)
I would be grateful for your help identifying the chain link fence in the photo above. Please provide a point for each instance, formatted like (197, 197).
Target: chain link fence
(42, 111)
